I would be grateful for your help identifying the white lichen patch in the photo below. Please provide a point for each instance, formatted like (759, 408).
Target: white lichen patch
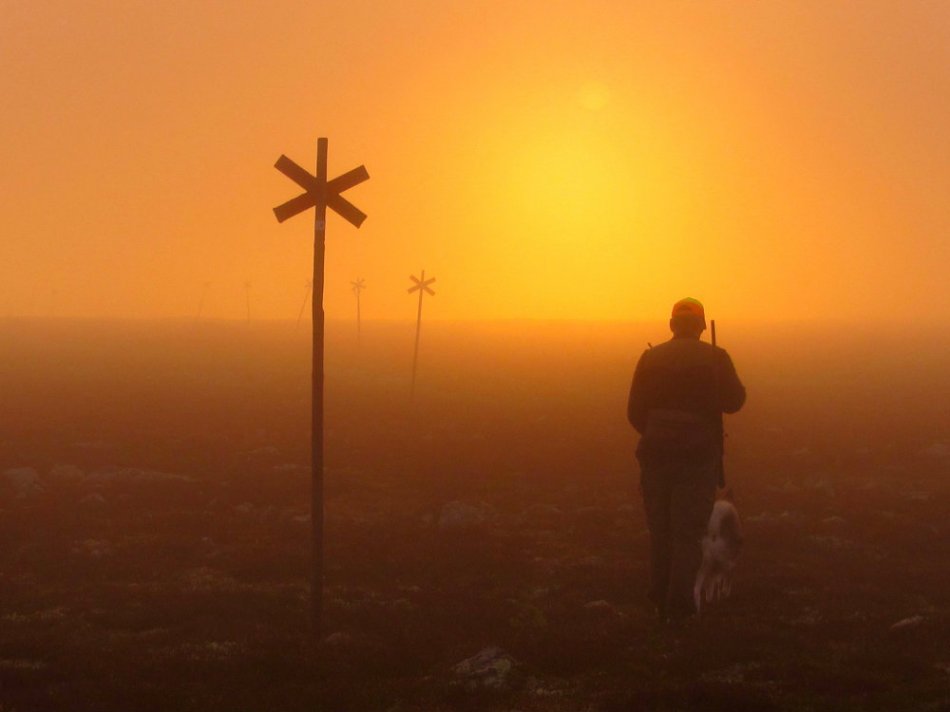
(738, 674)
(215, 650)
(205, 579)
(22, 664)
(93, 548)
(907, 623)
(47, 614)
(205, 651)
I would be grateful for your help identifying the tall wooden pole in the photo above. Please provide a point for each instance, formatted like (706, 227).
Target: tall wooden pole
(321, 195)
(316, 428)
(415, 356)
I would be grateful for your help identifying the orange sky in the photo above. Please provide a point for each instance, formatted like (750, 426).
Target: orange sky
(541, 159)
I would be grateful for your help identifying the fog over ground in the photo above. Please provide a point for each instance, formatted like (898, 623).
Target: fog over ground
(155, 528)
(832, 387)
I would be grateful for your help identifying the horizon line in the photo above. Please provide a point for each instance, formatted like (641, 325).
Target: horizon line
(441, 320)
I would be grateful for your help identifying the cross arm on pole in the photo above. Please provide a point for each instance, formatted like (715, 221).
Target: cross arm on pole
(421, 284)
(298, 175)
(319, 191)
(347, 180)
(295, 205)
(346, 209)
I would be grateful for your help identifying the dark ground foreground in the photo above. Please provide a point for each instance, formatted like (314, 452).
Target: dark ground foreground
(154, 530)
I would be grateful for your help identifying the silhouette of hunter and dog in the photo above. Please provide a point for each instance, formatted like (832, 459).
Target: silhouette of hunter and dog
(679, 392)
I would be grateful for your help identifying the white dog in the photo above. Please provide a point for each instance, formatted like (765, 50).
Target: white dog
(721, 547)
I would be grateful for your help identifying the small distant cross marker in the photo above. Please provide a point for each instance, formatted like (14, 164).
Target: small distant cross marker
(421, 286)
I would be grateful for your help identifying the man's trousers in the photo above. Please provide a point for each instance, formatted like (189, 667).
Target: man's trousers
(678, 497)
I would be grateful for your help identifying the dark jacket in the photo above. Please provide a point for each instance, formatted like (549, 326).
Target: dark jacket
(679, 392)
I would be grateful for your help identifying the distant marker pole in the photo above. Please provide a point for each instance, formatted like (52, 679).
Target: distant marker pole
(421, 286)
(308, 285)
(319, 193)
(712, 331)
(358, 286)
(247, 295)
(201, 302)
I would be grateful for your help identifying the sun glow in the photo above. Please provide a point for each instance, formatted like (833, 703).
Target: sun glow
(562, 174)
(593, 96)
(561, 183)
(565, 191)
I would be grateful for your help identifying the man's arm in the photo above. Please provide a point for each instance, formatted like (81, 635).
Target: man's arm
(636, 404)
(731, 390)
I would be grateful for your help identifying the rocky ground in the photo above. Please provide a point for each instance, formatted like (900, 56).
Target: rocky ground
(488, 557)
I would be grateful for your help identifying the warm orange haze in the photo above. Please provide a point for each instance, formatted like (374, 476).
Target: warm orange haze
(547, 160)
(490, 481)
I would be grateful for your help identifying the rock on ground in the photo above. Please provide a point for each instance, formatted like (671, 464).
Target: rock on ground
(338, 639)
(541, 514)
(464, 515)
(600, 609)
(66, 473)
(491, 668)
(93, 501)
(24, 481)
(936, 450)
(906, 623)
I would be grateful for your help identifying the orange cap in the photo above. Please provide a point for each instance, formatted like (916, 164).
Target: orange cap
(689, 306)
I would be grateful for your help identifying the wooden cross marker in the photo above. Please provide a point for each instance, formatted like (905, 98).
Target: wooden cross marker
(421, 286)
(321, 194)
(358, 286)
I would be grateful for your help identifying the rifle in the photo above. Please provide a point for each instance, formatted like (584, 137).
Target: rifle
(721, 468)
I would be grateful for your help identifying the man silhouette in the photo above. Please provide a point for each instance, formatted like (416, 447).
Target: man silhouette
(679, 392)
